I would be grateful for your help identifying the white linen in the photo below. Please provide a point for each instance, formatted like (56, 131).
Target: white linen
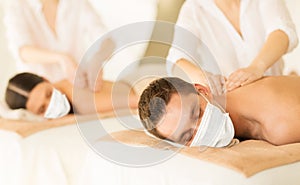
(23, 163)
(176, 170)
(17, 114)
(77, 26)
(230, 49)
(181, 170)
(49, 157)
(61, 156)
(11, 158)
(53, 156)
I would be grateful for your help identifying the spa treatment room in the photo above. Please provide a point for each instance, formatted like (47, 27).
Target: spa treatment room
(143, 92)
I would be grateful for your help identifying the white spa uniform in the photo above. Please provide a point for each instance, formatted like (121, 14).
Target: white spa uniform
(77, 26)
(231, 51)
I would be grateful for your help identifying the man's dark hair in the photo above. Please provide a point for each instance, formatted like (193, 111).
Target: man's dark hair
(155, 98)
(17, 88)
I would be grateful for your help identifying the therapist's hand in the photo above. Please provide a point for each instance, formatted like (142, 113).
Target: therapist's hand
(94, 74)
(95, 80)
(96, 64)
(243, 77)
(69, 66)
(216, 83)
(81, 79)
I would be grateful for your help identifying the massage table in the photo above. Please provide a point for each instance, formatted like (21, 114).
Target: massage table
(69, 155)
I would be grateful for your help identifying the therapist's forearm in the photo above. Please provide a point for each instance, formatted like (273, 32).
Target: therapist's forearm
(33, 54)
(194, 73)
(274, 48)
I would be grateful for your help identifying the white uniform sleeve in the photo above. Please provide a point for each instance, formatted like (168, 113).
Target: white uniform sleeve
(275, 16)
(91, 21)
(17, 31)
(185, 31)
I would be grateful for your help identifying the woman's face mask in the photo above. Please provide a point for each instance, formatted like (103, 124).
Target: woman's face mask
(216, 128)
(59, 105)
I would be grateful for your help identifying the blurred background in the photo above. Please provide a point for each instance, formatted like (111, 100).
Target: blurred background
(165, 10)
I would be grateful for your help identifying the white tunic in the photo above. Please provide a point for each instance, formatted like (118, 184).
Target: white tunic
(77, 26)
(230, 50)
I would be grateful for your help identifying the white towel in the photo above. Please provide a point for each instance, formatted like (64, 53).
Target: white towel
(17, 114)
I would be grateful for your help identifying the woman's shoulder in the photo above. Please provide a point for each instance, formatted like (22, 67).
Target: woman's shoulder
(62, 84)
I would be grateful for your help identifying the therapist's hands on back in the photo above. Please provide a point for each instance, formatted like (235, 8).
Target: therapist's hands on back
(72, 71)
(95, 68)
(90, 76)
(94, 76)
(243, 77)
(68, 65)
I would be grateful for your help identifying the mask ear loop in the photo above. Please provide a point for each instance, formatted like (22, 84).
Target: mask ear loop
(203, 96)
(18, 90)
(216, 104)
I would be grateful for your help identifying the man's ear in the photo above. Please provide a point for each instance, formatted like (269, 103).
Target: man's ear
(203, 90)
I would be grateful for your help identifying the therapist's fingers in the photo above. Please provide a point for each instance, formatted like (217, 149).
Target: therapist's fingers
(106, 49)
(98, 82)
(250, 79)
(243, 77)
(235, 80)
(217, 83)
(80, 79)
(91, 82)
(95, 80)
(69, 66)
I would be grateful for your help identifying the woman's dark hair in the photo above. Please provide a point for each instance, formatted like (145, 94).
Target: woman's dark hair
(19, 87)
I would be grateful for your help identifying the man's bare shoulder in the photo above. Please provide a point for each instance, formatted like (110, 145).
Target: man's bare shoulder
(274, 102)
(269, 85)
(279, 80)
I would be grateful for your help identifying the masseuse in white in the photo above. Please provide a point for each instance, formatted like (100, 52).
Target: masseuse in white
(49, 37)
(247, 38)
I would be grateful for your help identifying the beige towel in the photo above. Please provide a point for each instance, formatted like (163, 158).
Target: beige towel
(247, 157)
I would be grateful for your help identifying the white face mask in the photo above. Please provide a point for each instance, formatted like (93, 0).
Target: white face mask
(216, 128)
(59, 105)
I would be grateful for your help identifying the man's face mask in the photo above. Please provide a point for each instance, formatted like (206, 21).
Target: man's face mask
(59, 105)
(216, 128)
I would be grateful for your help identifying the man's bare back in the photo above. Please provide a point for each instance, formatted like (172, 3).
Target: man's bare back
(268, 109)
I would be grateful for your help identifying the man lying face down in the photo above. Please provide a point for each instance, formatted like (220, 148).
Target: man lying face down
(268, 109)
(55, 100)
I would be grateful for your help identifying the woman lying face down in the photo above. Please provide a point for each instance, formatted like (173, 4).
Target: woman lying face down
(54, 100)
